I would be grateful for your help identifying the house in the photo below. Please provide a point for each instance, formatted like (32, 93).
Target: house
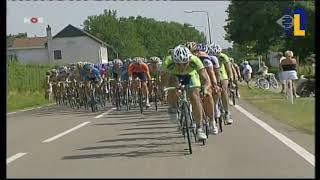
(69, 45)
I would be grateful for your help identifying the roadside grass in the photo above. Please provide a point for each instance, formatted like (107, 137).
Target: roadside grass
(17, 101)
(300, 115)
(25, 85)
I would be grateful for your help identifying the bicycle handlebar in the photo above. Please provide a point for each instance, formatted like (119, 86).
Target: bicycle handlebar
(181, 87)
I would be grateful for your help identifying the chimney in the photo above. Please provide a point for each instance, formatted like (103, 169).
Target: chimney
(49, 43)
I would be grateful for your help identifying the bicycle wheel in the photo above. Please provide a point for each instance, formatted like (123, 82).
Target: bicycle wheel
(118, 101)
(221, 118)
(155, 98)
(233, 96)
(263, 83)
(273, 82)
(187, 119)
(140, 100)
(127, 100)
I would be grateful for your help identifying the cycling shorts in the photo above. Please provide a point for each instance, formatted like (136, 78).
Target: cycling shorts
(141, 75)
(191, 79)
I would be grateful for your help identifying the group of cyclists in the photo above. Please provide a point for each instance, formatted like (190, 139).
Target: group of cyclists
(189, 64)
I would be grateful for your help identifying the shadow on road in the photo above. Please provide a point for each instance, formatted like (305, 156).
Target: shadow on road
(65, 110)
(143, 141)
(121, 146)
(139, 123)
(152, 153)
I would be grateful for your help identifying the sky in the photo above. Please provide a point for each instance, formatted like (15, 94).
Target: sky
(58, 14)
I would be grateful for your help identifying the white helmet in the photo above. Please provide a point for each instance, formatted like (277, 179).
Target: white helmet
(118, 62)
(154, 59)
(181, 54)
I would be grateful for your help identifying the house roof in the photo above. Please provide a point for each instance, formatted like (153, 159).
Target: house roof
(71, 31)
(29, 42)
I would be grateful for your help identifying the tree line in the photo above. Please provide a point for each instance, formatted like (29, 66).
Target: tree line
(252, 27)
(139, 36)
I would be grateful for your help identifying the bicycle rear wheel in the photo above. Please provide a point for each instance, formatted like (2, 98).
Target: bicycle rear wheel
(274, 83)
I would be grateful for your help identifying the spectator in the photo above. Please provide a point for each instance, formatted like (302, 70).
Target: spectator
(281, 57)
(263, 70)
(247, 70)
(313, 64)
(289, 70)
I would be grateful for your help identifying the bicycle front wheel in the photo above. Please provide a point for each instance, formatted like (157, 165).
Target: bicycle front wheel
(187, 120)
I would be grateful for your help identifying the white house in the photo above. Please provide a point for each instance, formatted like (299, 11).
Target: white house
(69, 45)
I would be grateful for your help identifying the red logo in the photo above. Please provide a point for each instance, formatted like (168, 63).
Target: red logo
(34, 20)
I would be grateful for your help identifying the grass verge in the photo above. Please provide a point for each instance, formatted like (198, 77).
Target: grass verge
(300, 115)
(17, 101)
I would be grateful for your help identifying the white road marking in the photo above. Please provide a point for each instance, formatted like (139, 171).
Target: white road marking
(292, 145)
(28, 109)
(105, 113)
(66, 132)
(14, 157)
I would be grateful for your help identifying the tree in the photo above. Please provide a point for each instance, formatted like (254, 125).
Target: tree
(139, 36)
(253, 23)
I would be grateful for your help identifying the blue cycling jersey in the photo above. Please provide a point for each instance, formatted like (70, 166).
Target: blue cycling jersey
(95, 74)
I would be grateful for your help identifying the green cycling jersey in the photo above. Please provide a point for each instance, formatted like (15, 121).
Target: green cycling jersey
(194, 65)
(223, 59)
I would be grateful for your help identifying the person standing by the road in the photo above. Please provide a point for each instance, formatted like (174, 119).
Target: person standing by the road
(247, 70)
(281, 57)
(289, 70)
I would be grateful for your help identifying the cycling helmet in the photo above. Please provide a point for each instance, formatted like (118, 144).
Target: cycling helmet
(118, 62)
(215, 49)
(87, 66)
(154, 59)
(138, 60)
(245, 62)
(145, 60)
(53, 71)
(181, 54)
(203, 48)
(192, 46)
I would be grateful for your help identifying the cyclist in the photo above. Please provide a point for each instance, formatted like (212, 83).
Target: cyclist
(186, 68)
(201, 52)
(226, 76)
(117, 69)
(91, 75)
(125, 75)
(139, 69)
(237, 75)
(103, 70)
(155, 71)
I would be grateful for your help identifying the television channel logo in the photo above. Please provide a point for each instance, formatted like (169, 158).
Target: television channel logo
(295, 20)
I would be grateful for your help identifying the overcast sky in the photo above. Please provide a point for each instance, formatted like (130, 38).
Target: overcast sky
(60, 14)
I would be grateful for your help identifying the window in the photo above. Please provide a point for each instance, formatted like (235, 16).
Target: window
(57, 54)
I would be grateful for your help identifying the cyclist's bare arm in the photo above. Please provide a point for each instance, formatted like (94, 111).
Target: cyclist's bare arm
(212, 75)
(217, 73)
(227, 65)
(205, 77)
(234, 72)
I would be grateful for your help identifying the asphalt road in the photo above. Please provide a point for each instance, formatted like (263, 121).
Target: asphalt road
(128, 144)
